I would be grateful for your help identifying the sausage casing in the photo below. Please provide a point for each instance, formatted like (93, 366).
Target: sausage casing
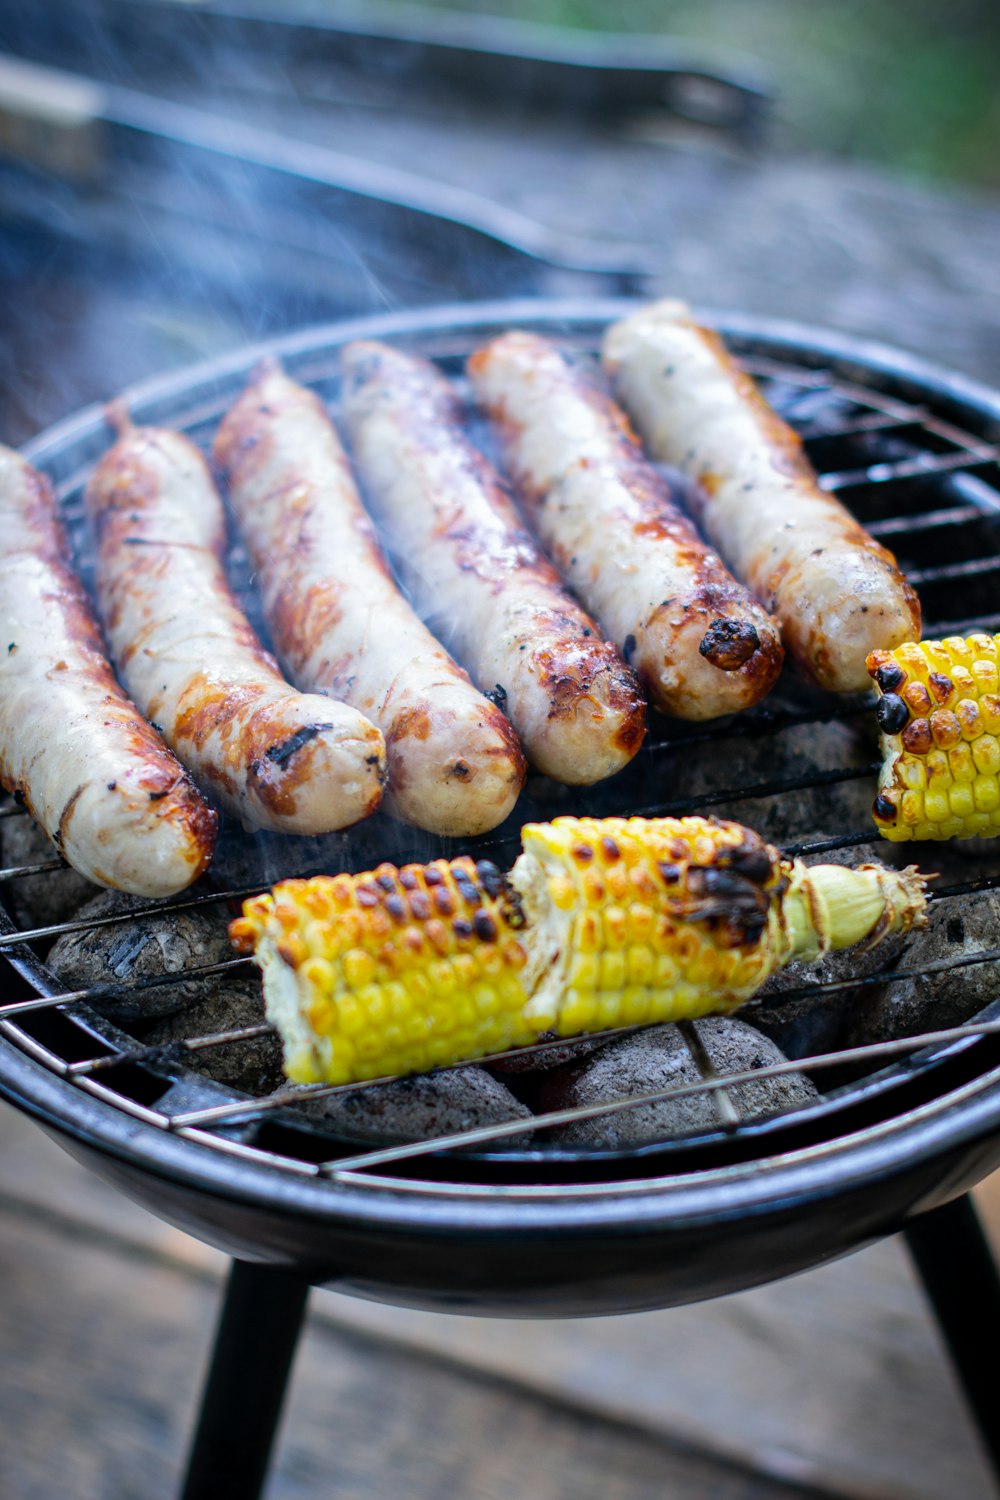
(274, 757)
(339, 622)
(700, 643)
(477, 576)
(836, 593)
(92, 772)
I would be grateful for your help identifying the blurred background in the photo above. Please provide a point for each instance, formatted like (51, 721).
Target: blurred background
(181, 177)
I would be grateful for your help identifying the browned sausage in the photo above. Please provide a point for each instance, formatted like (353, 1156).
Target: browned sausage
(701, 644)
(94, 774)
(478, 577)
(836, 593)
(340, 623)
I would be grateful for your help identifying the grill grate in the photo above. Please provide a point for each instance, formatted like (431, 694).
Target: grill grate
(919, 467)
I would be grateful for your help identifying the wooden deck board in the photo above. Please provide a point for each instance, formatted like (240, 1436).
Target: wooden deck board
(834, 1381)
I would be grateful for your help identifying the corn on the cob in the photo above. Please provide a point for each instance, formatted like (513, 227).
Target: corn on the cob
(601, 923)
(939, 713)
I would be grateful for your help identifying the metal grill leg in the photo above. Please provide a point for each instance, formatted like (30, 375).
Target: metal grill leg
(960, 1277)
(255, 1344)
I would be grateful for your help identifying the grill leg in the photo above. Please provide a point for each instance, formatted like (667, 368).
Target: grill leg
(960, 1278)
(255, 1343)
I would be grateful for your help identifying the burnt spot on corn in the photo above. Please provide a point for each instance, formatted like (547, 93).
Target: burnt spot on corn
(610, 850)
(891, 713)
(396, 907)
(889, 677)
(485, 927)
(883, 809)
(916, 736)
(583, 854)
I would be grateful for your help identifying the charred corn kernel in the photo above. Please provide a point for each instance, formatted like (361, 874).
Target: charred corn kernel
(939, 713)
(708, 912)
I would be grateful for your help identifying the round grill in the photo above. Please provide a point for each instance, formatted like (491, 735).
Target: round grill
(913, 454)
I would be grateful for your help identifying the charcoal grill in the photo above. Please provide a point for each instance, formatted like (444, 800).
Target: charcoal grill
(483, 1221)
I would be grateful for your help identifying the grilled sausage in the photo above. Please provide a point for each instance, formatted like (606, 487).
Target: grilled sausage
(477, 576)
(274, 757)
(702, 646)
(836, 593)
(340, 623)
(99, 780)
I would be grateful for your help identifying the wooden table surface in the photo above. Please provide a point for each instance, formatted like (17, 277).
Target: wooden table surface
(832, 1384)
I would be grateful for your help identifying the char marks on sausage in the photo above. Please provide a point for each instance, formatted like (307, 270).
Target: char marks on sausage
(339, 622)
(836, 593)
(97, 777)
(274, 757)
(477, 575)
(610, 523)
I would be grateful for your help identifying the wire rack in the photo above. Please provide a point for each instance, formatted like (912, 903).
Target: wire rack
(918, 463)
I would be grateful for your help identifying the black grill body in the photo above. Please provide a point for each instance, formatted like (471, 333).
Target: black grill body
(502, 1228)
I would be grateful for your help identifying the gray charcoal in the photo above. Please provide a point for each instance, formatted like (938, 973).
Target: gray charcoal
(38, 900)
(658, 1058)
(742, 761)
(544, 1062)
(252, 1065)
(421, 1107)
(128, 951)
(958, 928)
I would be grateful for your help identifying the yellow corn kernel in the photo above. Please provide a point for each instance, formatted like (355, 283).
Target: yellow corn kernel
(398, 989)
(939, 713)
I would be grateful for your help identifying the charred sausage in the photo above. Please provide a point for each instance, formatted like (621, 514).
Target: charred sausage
(702, 646)
(340, 623)
(274, 757)
(836, 593)
(91, 771)
(477, 576)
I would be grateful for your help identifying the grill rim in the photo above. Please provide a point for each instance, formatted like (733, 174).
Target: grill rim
(949, 1120)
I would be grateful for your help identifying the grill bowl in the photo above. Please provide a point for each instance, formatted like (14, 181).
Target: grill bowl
(501, 1228)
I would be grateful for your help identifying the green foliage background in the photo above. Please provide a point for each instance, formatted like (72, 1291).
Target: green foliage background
(911, 83)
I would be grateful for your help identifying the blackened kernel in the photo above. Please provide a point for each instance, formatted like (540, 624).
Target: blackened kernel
(583, 854)
(444, 902)
(396, 907)
(368, 897)
(420, 906)
(385, 880)
(485, 927)
(491, 878)
(671, 873)
(891, 713)
(883, 809)
(610, 850)
(431, 877)
(890, 677)
(461, 927)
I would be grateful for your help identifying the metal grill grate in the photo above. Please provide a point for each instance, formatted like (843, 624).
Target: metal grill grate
(917, 464)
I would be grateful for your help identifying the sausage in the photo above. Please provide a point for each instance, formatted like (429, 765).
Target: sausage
(275, 758)
(100, 781)
(836, 593)
(339, 622)
(702, 646)
(472, 569)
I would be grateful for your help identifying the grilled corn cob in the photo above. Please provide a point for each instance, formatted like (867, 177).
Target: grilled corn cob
(939, 713)
(601, 923)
